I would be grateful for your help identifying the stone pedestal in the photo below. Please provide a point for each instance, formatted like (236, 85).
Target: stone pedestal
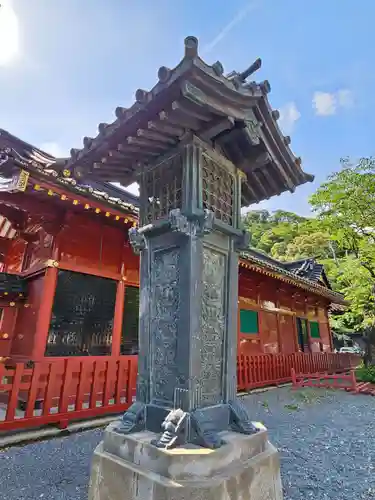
(129, 467)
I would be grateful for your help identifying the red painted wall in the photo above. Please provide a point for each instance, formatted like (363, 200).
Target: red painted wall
(278, 305)
(288, 340)
(90, 245)
(14, 258)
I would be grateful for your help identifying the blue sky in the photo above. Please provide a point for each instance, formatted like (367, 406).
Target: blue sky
(79, 59)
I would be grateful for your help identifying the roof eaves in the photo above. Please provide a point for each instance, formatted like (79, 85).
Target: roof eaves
(43, 167)
(200, 86)
(297, 280)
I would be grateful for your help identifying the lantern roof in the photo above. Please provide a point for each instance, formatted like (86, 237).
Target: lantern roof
(227, 111)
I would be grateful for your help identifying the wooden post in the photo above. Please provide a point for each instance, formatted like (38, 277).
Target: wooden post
(44, 315)
(294, 378)
(118, 317)
(280, 348)
(328, 329)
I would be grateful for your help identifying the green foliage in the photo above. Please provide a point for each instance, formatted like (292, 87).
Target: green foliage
(287, 236)
(341, 236)
(345, 208)
(364, 374)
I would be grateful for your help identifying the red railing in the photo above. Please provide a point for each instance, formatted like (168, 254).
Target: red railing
(61, 391)
(345, 381)
(271, 369)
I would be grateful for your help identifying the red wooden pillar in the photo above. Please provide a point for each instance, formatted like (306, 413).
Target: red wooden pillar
(118, 318)
(279, 342)
(44, 314)
(7, 322)
(238, 327)
(260, 316)
(295, 329)
(328, 327)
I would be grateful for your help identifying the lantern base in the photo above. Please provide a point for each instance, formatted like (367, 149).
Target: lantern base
(129, 467)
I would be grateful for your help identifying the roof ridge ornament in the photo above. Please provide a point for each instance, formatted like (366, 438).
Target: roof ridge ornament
(191, 47)
(255, 66)
(239, 79)
(4, 155)
(164, 74)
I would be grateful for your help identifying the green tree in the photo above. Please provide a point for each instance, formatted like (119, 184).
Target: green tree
(341, 236)
(345, 207)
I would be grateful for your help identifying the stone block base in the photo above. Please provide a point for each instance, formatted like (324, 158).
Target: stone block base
(130, 468)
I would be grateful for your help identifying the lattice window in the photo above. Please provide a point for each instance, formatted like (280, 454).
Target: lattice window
(82, 316)
(218, 190)
(163, 187)
(129, 338)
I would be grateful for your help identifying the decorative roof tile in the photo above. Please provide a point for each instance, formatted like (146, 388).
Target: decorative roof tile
(17, 154)
(304, 276)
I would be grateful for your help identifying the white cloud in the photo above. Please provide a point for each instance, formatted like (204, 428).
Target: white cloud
(324, 103)
(289, 114)
(327, 104)
(54, 149)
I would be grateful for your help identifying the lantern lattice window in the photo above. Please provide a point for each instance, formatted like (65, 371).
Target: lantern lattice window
(163, 189)
(218, 190)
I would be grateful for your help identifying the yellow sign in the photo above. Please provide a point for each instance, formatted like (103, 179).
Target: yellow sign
(22, 180)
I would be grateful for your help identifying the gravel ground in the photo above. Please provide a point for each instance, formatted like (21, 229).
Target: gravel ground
(326, 440)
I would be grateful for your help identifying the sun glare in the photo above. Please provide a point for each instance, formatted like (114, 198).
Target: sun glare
(8, 33)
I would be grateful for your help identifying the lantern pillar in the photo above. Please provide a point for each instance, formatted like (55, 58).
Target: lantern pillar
(187, 435)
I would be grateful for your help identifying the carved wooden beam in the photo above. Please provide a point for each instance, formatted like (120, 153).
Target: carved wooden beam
(137, 151)
(249, 196)
(179, 119)
(156, 136)
(216, 127)
(270, 179)
(149, 145)
(257, 161)
(14, 215)
(190, 110)
(166, 128)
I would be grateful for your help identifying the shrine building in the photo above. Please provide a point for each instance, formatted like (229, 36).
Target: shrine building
(69, 281)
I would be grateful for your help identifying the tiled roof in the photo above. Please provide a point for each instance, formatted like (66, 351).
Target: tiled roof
(194, 97)
(15, 153)
(308, 268)
(303, 276)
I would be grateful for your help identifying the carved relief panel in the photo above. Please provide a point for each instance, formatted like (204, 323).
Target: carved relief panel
(213, 326)
(165, 314)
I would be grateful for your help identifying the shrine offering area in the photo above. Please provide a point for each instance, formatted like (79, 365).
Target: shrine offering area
(326, 442)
